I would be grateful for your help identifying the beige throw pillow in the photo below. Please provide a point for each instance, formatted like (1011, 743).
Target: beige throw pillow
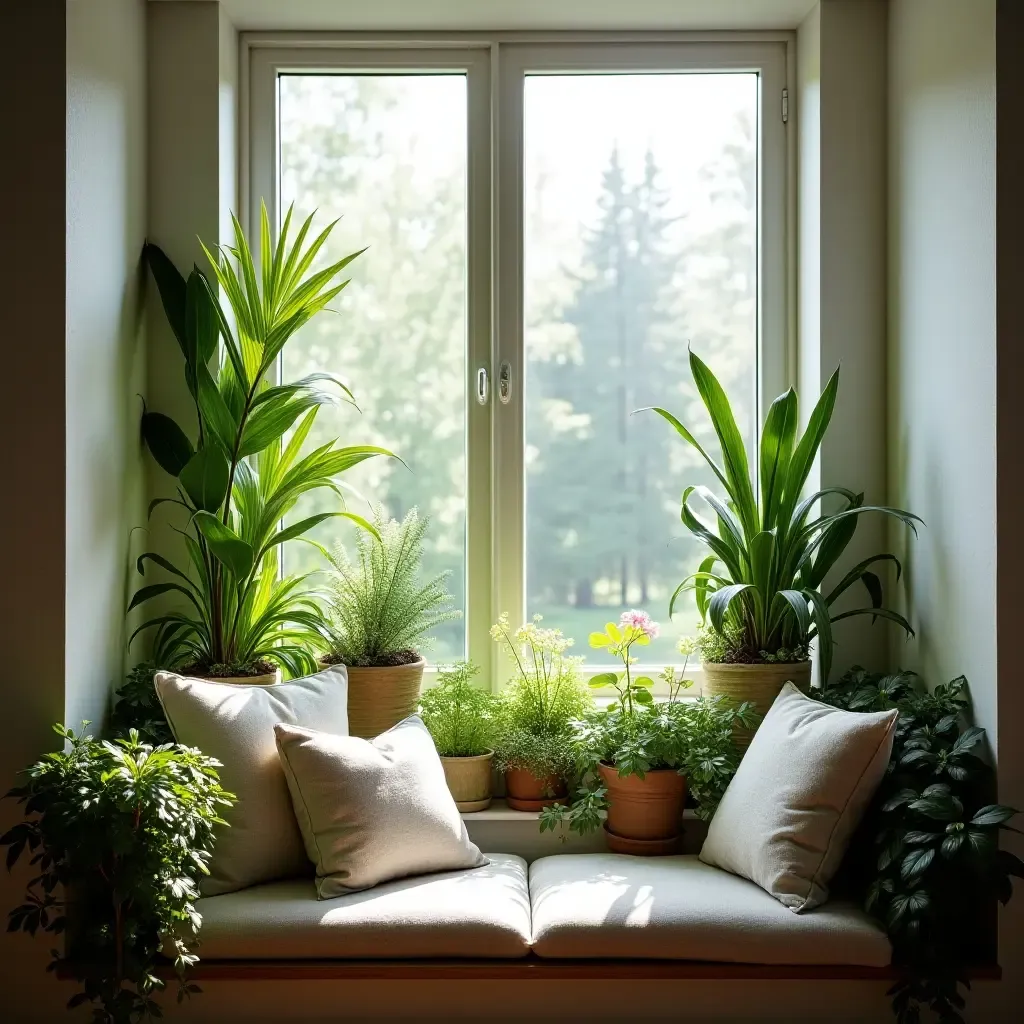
(372, 810)
(235, 724)
(801, 789)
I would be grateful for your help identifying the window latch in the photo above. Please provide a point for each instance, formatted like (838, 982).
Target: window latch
(483, 386)
(505, 383)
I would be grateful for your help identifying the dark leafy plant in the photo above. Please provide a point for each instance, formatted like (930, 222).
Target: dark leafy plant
(636, 734)
(769, 551)
(240, 479)
(118, 834)
(136, 706)
(926, 861)
(379, 610)
(458, 713)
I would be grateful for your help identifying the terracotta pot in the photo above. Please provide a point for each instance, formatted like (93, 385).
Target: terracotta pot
(525, 792)
(647, 813)
(469, 779)
(267, 679)
(758, 684)
(379, 698)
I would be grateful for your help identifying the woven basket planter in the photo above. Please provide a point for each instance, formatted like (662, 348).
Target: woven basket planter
(757, 684)
(379, 698)
(267, 679)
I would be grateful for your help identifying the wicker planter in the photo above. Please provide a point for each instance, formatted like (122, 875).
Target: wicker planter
(525, 792)
(758, 684)
(379, 698)
(469, 779)
(645, 816)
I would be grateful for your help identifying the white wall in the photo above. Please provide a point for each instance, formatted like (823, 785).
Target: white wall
(942, 331)
(105, 347)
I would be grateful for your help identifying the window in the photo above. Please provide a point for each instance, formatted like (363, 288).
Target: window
(550, 226)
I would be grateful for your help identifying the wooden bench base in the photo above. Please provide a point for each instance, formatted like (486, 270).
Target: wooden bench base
(532, 967)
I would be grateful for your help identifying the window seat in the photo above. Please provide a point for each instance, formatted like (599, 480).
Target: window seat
(671, 915)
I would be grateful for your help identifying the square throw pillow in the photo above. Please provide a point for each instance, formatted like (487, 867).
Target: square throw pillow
(801, 789)
(373, 810)
(235, 724)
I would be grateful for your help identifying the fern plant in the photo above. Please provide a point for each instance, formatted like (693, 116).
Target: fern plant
(458, 714)
(379, 611)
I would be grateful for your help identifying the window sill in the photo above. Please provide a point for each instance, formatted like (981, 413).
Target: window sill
(500, 811)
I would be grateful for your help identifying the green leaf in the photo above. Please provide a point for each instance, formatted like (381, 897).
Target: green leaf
(643, 696)
(603, 679)
(645, 681)
(171, 285)
(202, 325)
(205, 478)
(166, 442)
(155, 590)
(916, 863)
(993, 814)
(226, 545)
(720, 602)
(777, 439)
(807, 447)
(217, 417)
(600, 640)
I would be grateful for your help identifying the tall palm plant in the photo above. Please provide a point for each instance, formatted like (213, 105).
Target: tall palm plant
(241, 478)
(770, 549)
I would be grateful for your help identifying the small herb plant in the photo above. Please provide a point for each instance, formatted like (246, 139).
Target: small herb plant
(636, 734)
(760, 586)
(125, 829)
(926, 860)
(379, 611)
(458, 713)
(535, 712)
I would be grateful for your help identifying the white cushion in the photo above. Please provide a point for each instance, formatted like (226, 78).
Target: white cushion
(235, 724)
(483, 912)
(611, 905)
(373, 810)
(800, 791)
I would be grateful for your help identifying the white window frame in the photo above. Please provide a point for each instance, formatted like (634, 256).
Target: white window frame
(495, 65)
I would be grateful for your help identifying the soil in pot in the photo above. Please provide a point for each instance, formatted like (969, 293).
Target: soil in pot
(524, 791)
(759, 684)
(381, 696)
(645, 814)
(469, 780)
(262, 673)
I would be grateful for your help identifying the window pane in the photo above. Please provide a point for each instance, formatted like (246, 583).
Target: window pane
(388, 154)
(640, 238)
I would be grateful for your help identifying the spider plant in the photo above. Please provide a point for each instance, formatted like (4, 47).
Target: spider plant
(771, 548)
(241, 478)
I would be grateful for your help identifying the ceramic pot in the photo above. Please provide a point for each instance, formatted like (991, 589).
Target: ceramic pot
(645, 814)
(379, 698)
(758, 684)
(469, 779)
(525, 792)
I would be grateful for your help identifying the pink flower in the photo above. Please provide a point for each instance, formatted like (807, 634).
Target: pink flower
(642, 621)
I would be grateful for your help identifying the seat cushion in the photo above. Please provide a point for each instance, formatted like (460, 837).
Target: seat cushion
(480, 912)
(611, 905)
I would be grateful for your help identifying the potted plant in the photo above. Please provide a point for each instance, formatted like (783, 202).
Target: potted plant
(926, 860)
(459, 716)
(535, 712)
(239, 620)
(118, 834)
(759, 591)
(635, 756)
(378, 615)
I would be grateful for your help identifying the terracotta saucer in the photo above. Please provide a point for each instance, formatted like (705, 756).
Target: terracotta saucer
(642, 847)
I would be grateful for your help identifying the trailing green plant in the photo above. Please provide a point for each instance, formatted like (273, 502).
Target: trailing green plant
(379, 611)
(136, 706)
(636, 734)
(770, 551)
(458, 713)
(239, 480)
(535, 711)
(926, 861)
(118, 834)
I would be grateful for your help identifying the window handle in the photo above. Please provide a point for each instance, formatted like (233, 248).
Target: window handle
(483, 386)
(505, 383)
